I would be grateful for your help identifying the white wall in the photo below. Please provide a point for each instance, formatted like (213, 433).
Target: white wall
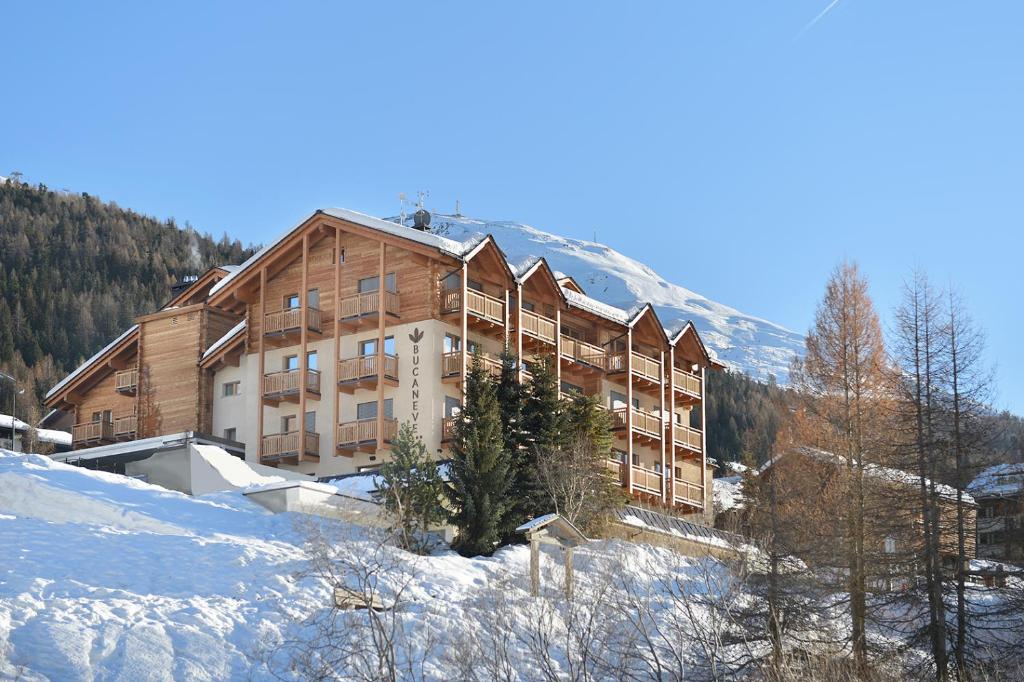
(230, 412)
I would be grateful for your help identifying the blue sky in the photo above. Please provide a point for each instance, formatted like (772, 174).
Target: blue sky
(734, 149)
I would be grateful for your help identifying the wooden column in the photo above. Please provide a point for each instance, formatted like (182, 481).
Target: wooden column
(381, 311)
(507, 314)
(568, 572)
(262, 321)
(661, 416)
(558, 347)
(335, 393)
(519, 328)
(465, 328)
(672, 420)
(534, 565)
(703, 440)
(303, 361)
(629, 410)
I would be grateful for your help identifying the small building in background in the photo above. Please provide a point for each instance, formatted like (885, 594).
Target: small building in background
(999, 492)
(23, 437)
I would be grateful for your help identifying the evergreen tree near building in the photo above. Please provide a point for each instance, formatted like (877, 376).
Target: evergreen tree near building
(510, 394)
(411, 490)
(480, 484)
(543, 432)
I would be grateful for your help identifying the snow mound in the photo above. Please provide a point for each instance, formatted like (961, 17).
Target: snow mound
(232, 473)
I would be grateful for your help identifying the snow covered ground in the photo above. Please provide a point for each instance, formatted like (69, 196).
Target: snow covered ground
(748, 343)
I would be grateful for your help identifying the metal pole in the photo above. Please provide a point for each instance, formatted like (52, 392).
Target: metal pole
(14, 405)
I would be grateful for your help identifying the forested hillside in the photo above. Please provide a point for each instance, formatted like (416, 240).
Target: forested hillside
(75, 271)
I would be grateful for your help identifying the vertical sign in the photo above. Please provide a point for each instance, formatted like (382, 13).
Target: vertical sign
(415, 337)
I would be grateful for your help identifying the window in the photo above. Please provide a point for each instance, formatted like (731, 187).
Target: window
(311, 422)
(291, 301)
(636, 460)
(369, 346)
(369, 410)
(341, 256)
(453, 280)
(452, 343)
(291, 363)
(232, 388)
(452, 406)
(229, 434)
(473, 346)
(619, 400)
(311, 360)
(619, 456)
(288, 423)
(474, 285)
(890, 545)
(313, 298)
(571, 389)
(527, 305)
(370, 284)
(657, 467)
(679, 472)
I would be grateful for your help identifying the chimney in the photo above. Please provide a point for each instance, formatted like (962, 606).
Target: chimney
(185, 283)
(421, 220)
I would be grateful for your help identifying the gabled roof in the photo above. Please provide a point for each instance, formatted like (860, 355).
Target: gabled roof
(236, 333)
(129, 335)
(567, 282)
(645, 310)
(528, 269)
(481, 246)
(689, 328)
(200, 282)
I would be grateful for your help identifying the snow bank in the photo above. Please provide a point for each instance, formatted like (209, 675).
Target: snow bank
(44, 435)
(214, 469)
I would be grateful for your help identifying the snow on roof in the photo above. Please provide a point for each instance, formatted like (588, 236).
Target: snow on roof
(450, 246)
(219, 343)
(592, 305)
(44, 435)
(999, 480)
(676, 527)
(536, 523)
(81, 368)
(727, 493)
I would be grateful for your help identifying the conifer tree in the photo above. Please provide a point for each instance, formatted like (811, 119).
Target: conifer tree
(480, 483)
(542, 426)
(411, 489)
(510, 394)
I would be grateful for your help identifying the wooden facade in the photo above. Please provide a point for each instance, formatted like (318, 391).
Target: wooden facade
(353, 325)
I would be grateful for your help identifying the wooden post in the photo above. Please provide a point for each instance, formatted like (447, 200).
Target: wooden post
(568, 573)
(629, 411)
(465, 328)
(558, 347)
(303, 361)
(534, 565)
(507, 314)
(381, 311)
(335, 393)
(519, 329)
(262, 319)
(672, 420)
(661, 428)
(703, 442)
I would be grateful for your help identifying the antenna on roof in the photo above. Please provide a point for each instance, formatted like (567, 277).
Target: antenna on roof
(401, 215)
(421, 194)
(458, 209)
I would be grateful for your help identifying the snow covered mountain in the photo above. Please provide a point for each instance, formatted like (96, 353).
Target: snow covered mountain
(750, 344)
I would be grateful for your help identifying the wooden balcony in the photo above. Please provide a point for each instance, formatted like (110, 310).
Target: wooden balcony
(646, 480)
(686, 384)
(284, 386)
(647, 427)
(482, 310)
(688, 440)
(448, 428)
(284, 326)
(92, 433)
(126, 381)
(126, 427)
(362, 372)
(615, 468)
(644, 371)
(360, 310)
(582, 356)
(361, 435)
(279, 446)
(684, 492)
(538, 329)
(451, 366)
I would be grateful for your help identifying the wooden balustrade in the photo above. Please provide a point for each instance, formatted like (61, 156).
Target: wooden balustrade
(646, 479)
(615, 362)
(126, 381)
(448, 427)
(478, 304)
(451, 364)
(646, 367)
(290, 320)
(538, 326)
(686, 382)
(583, 352)
(684, 491)
(688, 437)
(363, 366)
(126, 426)
(368, 303)
(365, 431)
(644, 422)
(278, 445)
(288, 381)
(614, 467)
(92, 432)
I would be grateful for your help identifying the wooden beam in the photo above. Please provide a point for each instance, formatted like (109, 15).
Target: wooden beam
(465, 329)
(303, 332)
(558, 345)
(703, 439)
(335, 395)
(381, 312)
(261, 319)
(661, 413)
(672, 420)
(519, 329)
(629, 410)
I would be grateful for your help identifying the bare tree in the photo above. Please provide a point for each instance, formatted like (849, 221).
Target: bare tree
(577, 483)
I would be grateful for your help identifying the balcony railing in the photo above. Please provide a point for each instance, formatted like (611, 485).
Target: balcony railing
(478, 304)
(686, 382)
(363, 431)
(684, 491)
(451, 364)
(643, 422)
(290, 320)
(368, 303)
(583, 352)
(688, 437)
(288, 382)
(646, 367)
(92, 432)
(448, 427)
(279, 445)
(647, 480)
(538, 326)
(126, 426)
(126, 381)
(614, 467)
(364, 366)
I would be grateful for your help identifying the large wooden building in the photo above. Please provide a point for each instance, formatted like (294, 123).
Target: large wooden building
(314, 350)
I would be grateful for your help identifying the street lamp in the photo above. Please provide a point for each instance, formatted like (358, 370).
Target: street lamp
(14, 406)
